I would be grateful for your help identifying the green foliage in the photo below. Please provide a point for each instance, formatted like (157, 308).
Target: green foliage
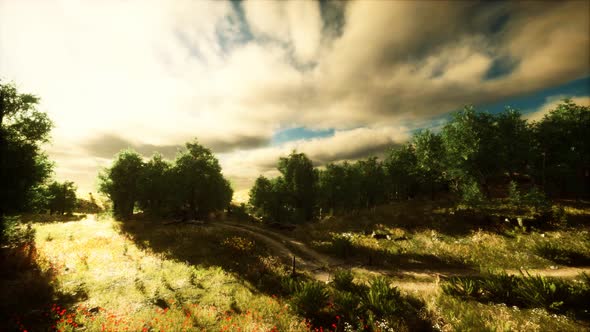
(525, 291)
(562, 154)
(514, 195)
(430, 153)
(556, 252)
(120, 182)
(401, 169)
(23, 166)
(310, 298)
(198, 183)
(342, 245)
(299, 185)
(61, 197)
(471, 195)
(382, 300)
(461, 287)
(343, 280)
(191, 187)
(270, 200)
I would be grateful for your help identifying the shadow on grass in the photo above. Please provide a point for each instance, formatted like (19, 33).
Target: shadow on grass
(395, 263)
(27, 294)
(44, 218)
(209, 246)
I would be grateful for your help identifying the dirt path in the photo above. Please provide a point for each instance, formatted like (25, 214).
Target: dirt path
(321, 266)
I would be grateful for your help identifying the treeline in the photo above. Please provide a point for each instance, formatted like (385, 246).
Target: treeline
(26, 183)
(474, 153)
(191, 186)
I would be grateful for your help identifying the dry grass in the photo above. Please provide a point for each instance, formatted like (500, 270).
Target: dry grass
(122, 286)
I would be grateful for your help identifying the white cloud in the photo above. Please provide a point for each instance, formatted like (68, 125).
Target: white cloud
(551, 103)
(159, 73)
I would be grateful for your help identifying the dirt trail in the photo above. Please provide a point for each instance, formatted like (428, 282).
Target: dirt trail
(321, 266)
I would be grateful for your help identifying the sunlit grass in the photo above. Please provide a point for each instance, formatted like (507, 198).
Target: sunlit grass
(123, 287)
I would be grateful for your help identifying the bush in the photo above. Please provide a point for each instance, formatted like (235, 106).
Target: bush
(525, 291)
(310, 298)
(382, 299)
(343, 280)
(536, 200)
(471, 195)
(342, 245)
(346, 304)
(461, 287)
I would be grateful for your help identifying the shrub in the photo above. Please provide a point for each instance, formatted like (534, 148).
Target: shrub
(382, 299)
(310, 298)
(514, 195)
(524, 291)
(346, 304)
(471, 195)
(343, 280)
(543, 292)
(536, 200)
(342, 245)
(461, 287)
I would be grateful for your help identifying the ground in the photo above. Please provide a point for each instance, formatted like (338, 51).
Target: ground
(100, 274)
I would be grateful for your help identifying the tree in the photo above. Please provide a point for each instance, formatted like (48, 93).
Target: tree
(269, 199)
(154, 187)
(198, 183)
(23, 166)
(563, 155)
(400, 166)
(430, 153)
(371, 178)
(514, 142)
(471, 146)
(120, 182)
(300, 182)
(61, 197)
(332, 187)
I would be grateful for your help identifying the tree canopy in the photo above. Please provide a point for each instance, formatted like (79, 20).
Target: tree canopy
(190, 187)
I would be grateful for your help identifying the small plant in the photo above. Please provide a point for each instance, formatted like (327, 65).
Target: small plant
(461, 287)
(346, 303)
(543, 292)
(342, 245)
(514, 195)
(310, 298)
(382, 299)
(49, 238)
(471, 195)
(536, 200)
(239, 244)
(343, 280)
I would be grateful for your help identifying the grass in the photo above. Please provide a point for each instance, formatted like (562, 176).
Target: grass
(443, 238)
(99, 274)
(121, 285)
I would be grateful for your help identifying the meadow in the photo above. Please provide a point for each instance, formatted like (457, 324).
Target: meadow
(407, 266)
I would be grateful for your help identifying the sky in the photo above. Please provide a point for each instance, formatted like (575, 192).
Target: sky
(255, 80)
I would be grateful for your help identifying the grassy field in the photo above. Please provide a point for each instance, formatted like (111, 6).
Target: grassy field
(113, 283)
(440, 269)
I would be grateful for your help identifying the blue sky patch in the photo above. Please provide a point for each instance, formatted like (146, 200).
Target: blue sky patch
(297, 133)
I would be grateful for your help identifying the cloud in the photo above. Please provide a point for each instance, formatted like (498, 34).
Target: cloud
(244, 166)
(297, 24)
(551, 104)
(155, 74)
